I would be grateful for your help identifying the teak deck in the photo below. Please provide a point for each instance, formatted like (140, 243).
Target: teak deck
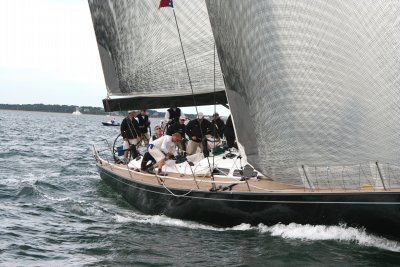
(263, 185)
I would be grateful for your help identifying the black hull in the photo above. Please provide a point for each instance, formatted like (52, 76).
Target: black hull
(378, 212)
(110, 124)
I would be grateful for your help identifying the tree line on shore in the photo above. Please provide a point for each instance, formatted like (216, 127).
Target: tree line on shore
(70, 109)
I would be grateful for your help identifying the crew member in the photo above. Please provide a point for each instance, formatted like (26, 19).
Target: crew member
(196, 130)
(157, 133)
(144, 123)
(130, 132)
(164, 148)
(219, 125)
(148, 160)
(179, 127)
(172, 115)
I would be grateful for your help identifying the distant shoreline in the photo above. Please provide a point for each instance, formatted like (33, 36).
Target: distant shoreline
(82, 109)
(45, 111)
(70, 108)
(53, 108)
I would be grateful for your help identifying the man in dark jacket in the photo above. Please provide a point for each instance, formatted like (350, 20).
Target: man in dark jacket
(130, 132)
(144, 123)
(197, 130)
(172, 115)
(179, 127)
(219, 125)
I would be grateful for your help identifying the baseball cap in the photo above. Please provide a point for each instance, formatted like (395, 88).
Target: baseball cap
(200, 115)
(183, 117)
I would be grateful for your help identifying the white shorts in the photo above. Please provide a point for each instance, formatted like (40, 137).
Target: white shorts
(131, 141)
(145, 138)
(192, 146)
(156, 154)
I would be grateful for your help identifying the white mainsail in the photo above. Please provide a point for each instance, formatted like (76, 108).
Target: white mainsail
(142, 57)
(313, 86)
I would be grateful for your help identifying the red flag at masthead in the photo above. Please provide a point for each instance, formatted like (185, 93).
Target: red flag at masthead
(166, 3)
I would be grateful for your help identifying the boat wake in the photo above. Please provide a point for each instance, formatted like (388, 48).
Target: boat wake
(340, 233)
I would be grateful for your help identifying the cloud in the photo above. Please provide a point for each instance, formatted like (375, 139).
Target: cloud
(53, 40)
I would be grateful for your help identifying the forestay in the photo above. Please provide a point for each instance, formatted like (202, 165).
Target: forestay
(142, 57)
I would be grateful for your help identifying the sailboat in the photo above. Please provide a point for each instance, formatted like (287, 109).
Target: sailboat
(111, 122)
(76, 112)
(313, 92)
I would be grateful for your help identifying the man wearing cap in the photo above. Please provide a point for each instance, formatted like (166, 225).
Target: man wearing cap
(219, 124)
(157, 133)
(144, 123)
(179, 127)
(130, 132)
(197, 130)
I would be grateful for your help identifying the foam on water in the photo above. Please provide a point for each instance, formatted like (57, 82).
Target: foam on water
(322, 232)
(61, 199)
(163, 220)
(340, 233)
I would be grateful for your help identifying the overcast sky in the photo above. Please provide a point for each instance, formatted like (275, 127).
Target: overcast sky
(48, 54)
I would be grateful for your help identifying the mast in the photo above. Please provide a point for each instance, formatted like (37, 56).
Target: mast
(184, 58)
(190, 82)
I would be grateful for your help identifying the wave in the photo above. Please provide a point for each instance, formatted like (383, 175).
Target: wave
(340, 233)
(44, 184)
(28, 191)
(163, 220)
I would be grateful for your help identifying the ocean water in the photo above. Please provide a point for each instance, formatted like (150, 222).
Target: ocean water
(55, 210)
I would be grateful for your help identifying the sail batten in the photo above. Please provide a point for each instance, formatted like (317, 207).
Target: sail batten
(141, 51)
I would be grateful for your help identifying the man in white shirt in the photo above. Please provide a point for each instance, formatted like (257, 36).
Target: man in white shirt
(164, 148)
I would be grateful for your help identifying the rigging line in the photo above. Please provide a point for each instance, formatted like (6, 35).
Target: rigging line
(215, 106)
(172, 193)
(134, 130)
(184, 57)
(159, 178)
(191, 88)
(215, 98)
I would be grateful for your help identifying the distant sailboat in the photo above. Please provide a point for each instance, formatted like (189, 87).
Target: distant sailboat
(76, 112)
(313, 92)
(111, 122)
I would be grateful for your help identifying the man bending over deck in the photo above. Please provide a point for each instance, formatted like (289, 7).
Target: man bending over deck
(164, 148)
